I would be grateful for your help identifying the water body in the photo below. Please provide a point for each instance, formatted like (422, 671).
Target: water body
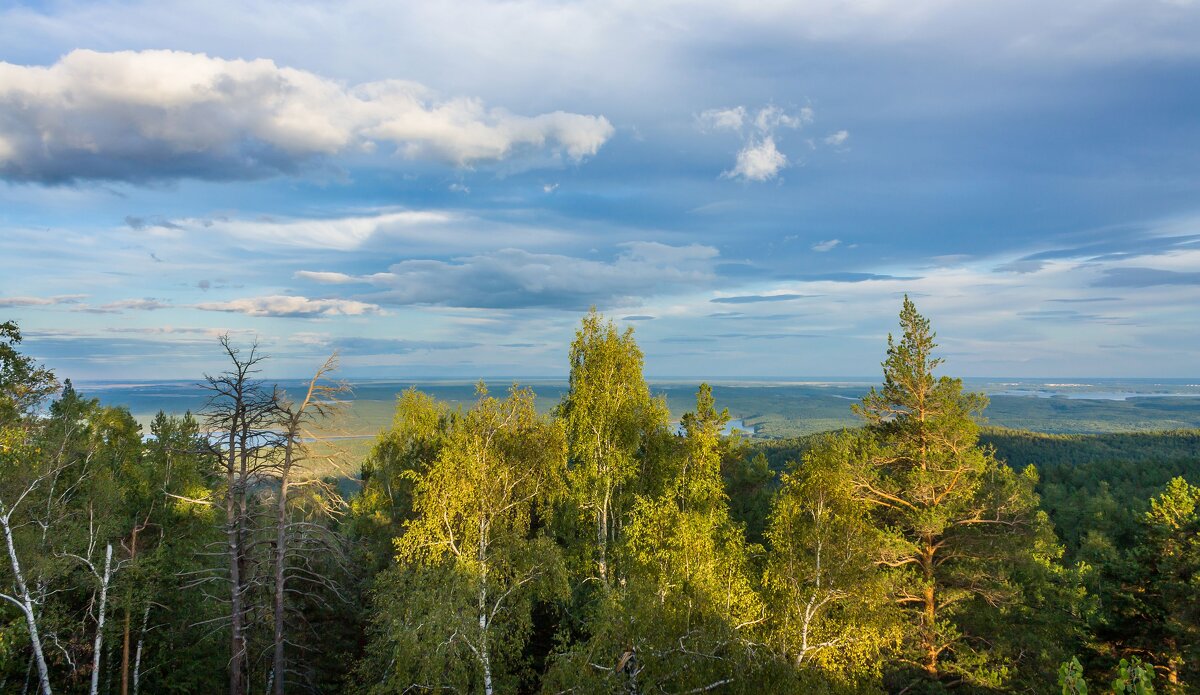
(764, 408)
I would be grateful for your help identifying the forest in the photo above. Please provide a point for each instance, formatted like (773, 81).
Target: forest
(598, 548)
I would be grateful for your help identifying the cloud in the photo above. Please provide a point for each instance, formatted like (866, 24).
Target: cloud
(292, 307)
(1145, 277)
(417, 231)
(823, 246)
(41, 301)
(511, 278)
(638, 317)
(357, 345)
(158, 115)
(326, 278)
(1023, 266)
(722, 119)
(837, 139)
(754, 298)
(127, 305)
(758, 161)
(849, 277)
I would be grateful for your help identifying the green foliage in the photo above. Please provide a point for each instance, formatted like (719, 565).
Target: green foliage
(399, 456)
(473, 557)
(1133, 678)
(830, 607)
(597, 550)
(607, 414)
(24, 384)
(964, 534)
(684, 614)
(1070, 677)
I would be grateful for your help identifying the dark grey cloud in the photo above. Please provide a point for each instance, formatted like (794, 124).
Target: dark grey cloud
(1145, 277)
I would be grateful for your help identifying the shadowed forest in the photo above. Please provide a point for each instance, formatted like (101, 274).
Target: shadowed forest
(591, 546)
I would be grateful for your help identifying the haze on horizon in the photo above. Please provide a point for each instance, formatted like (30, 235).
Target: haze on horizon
(444, 189)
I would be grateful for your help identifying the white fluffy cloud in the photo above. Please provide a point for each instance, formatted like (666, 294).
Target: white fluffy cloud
(827, 245)
(292, 307)
(758, 161)
(164, 114)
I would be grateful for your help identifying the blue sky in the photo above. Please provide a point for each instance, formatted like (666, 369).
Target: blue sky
(441, 189)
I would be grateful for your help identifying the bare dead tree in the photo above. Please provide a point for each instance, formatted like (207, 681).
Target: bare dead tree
(239, 416)
(321, 400)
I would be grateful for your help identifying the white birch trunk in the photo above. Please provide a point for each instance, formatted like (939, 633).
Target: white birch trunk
(137, 659)
(96, 652)
(26, 605)
(484, 657)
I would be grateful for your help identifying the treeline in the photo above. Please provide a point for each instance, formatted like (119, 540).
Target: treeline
(595, 550)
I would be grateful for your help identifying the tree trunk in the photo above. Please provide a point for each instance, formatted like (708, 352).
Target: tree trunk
(125, 649)
(137, 659)
(237, 652)
(484, 656)
(602, 535)
(26, 605)
(99, 641)
(133, 548)
(929, 614)
(280, 562)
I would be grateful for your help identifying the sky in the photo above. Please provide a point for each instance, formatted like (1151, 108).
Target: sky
(441, 190)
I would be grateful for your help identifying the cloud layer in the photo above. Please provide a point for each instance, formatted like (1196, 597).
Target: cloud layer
(148, 115)
(292, 307)
(514, 278)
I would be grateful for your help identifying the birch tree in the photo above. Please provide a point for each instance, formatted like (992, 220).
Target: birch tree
(607, 413)
(686, 617)
(25, 477)
(473, 558)
(828, 598)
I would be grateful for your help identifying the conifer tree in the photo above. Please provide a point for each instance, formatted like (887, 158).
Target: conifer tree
(962, 523)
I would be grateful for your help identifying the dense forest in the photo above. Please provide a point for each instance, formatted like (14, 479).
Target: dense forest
(597, 549)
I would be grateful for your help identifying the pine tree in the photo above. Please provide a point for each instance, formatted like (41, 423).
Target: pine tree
(962, 523)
